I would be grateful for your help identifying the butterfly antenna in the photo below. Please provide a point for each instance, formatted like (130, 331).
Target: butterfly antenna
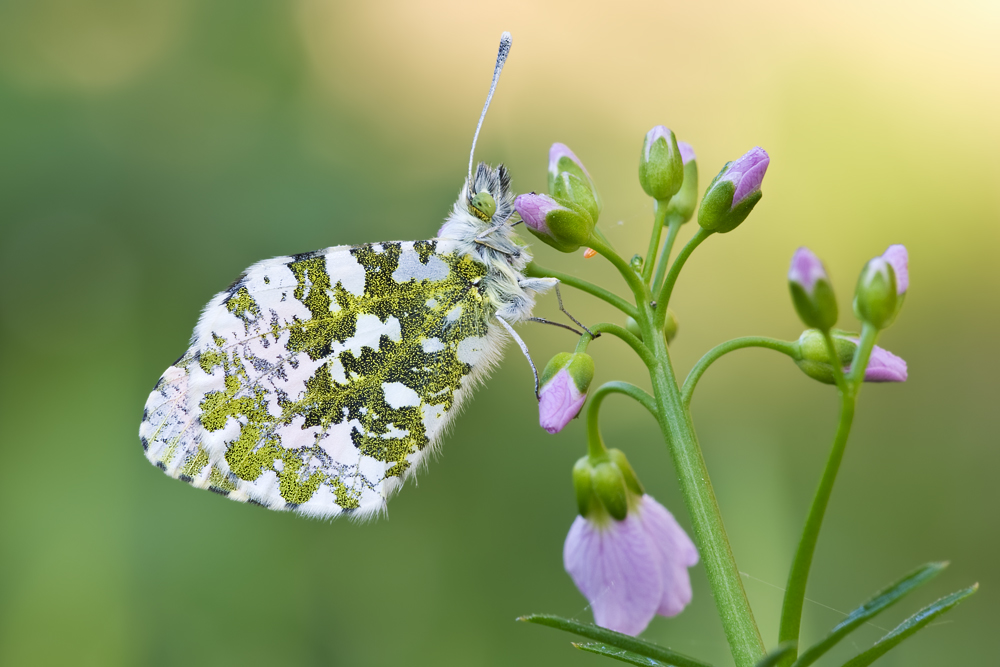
(505, 41)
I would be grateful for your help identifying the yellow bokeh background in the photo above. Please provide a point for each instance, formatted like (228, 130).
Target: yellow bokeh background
(149, 151)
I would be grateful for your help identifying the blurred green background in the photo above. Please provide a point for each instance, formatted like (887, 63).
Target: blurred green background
(149, 151)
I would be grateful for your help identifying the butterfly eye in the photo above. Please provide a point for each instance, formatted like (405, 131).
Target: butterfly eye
(483, 206)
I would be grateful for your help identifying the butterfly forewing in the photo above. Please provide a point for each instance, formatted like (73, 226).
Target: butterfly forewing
(318, 382)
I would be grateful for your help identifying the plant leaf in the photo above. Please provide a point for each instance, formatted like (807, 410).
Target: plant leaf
(777, 655)
(878, 603)
(621, 654)
(616, 639)
(909, 627)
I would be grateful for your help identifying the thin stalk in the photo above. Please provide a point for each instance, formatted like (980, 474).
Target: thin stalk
(785, 347)
(535, 271)
(608, 388)
(673, 227)
(699, 496)
(795, 591)
(675, 270)
(635, 283)
(798, 577)
(621, 332)
(659, 217)
(838, 372)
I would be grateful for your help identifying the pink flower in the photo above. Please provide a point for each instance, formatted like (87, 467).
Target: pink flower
(747, 173)
(559, 401)
(633, 569)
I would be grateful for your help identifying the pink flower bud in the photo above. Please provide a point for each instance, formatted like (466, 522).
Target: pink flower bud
(884, 366)
(533, 208)
(897, 256)
(687, 153)
(559, 401)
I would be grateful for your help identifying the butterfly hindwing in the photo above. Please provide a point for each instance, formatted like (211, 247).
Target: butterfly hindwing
(318, 382)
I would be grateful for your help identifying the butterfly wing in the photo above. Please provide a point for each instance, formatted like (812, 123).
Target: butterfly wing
(319, 382)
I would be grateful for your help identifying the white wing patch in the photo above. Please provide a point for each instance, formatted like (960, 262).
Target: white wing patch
(319, 382)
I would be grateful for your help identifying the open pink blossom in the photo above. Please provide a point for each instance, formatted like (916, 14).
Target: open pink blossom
(884, 366)
(633, 569)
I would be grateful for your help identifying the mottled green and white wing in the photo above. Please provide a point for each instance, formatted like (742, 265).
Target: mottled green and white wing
(319, 382)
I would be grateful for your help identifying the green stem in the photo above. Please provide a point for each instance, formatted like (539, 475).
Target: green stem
(595, 444)
(785, 347)
(838, 372)
(699, 496)
(654, 239)
(798, 577)
(535, 271)
(621, 332)
(639, 289)
(675, 269)
(668, 247)
(795, 592)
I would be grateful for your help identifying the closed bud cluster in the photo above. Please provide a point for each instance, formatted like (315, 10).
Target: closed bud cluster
(683, 203)
(812, 293)
(563, 391)
(734, 192)
(814, 359)
(565, 218)
(661, 167)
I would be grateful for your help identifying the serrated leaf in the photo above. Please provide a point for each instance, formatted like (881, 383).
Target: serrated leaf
(909, 627)
(878, 603)
(777, 655)
(616, 639)
(630, 657)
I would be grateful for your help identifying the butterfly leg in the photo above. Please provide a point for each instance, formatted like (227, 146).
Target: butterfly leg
(524, 348)
(575, 321)
(542, 320)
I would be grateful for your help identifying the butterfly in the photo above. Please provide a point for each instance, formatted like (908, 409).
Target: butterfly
(320, 382)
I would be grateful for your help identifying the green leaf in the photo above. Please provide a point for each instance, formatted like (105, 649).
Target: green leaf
(627, 643)
(874, 606)
(777, 655)
(909, 627)
(621, 654)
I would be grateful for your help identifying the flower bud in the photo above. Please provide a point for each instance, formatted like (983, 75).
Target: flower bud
(565, 227)
(814, 360)
(734, 192)
(669, 326)
(661, 168)
(568, 187)
(563, 392)
(812, 293)
(897, 256)
(875, 297)
(563, 160)
(683, 203)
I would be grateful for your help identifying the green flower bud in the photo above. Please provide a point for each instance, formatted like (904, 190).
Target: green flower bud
(563, 160)
(812, 293)
(875, 296)
(661, 169)
(683, 203)
(609, 486)
(669, 326)
(814, 360)
(561, 224)
(567, 187)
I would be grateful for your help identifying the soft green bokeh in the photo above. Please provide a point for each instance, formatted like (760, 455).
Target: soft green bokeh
(150, 151)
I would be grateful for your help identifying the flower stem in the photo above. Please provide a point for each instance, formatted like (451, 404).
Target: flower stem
(798, 576)
(675, 270)
(673, 227)
(795, 591)
(635, 283)
(785, 347)
(620, 332)
(535, 271)
(699, 496)
(659, 218)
